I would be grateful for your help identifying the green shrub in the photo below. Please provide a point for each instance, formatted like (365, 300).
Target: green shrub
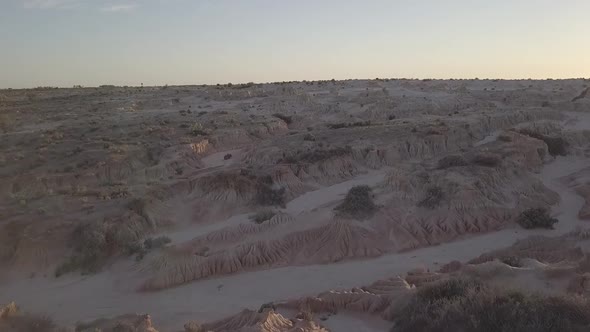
(358, 203)
(470, 306)
(197, 129)
(536, 218)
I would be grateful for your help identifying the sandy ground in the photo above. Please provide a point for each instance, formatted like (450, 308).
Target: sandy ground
(108, 294)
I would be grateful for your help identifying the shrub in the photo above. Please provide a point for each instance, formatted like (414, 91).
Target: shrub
(433, 197)
(227, 156)
(262, 216)
(557, 146)
(349, 124)
(286, 118)
(451, 161)
(487, 159)
(511, 261)
(536, 218)
(309, 137)
(13, 319)
(470, 306)
(197, 129)
(358, 203)
(317, 155)
(267, 194)
(158, 242)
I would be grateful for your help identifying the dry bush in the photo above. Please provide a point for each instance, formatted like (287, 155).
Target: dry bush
(358, 203)
(451, 161)
(433, 197)
(557, 146)
(536, 218)
(470, 306)
(12, 319)
(262, 216)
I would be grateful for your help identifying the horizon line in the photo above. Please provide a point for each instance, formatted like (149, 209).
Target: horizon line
(230, 84)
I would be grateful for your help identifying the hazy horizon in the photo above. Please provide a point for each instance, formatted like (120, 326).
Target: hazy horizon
(181, 42)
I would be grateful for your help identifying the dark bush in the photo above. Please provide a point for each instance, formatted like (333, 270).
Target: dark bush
(227, 156)
(317, 155)
(267, 194)
(470, 306)
(349, 124)
(158, 242)
(487, 160)
(358, 203)
(309, 137)
(262, 216)
(511, 261)
(286, 118)
(536, 218)
(433, 197)
(451, 161)
(557, 146)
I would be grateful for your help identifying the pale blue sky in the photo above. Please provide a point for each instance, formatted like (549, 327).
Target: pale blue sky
(128, 42)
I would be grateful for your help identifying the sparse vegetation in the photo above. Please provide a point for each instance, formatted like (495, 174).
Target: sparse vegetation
(557, 146)
(14, 320)
(452, 161)
(155, 243)
(317, 155)
(471, 306)
(286, 118)
(309, 137)
(511, 261)
(267, 194)
(433, 197)
(349, 124)
(262, 216)
(358, 203)
(536, 218)
(197, 129)
(487, 159)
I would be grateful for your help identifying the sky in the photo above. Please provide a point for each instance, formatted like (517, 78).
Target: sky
(156, 42)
